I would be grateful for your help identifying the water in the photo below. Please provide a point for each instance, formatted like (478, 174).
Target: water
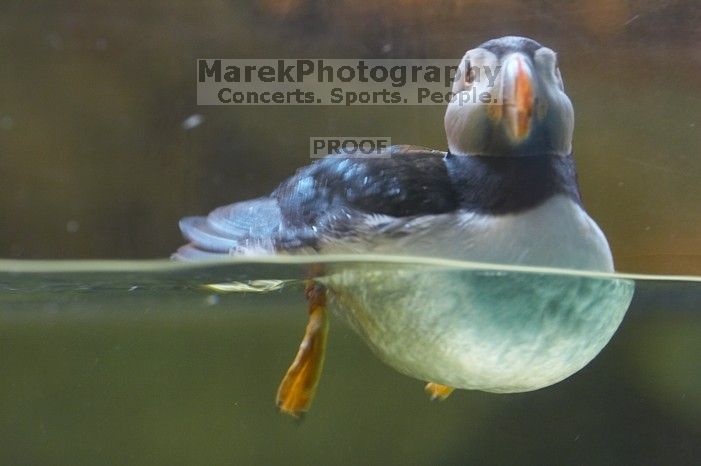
(143, 363)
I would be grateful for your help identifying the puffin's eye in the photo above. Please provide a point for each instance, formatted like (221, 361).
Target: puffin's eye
(469, 73)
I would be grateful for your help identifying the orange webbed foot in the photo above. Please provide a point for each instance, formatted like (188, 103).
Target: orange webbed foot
(438, 392)
(298, 386)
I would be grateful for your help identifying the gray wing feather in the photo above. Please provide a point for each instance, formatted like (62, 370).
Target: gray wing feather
(189, 252)
(256, 218)
(230, 229)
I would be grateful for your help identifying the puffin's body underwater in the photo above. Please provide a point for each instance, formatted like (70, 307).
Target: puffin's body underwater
(506, 192)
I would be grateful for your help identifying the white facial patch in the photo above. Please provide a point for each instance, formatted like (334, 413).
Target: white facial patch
(483, 74)
(546, 66)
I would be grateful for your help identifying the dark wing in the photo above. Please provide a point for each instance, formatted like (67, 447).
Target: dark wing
(407, 182)
(325, 198)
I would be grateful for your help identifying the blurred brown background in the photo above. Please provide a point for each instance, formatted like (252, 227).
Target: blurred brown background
(96, 162)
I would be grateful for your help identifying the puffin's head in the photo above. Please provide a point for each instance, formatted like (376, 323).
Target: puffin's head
(528, 112)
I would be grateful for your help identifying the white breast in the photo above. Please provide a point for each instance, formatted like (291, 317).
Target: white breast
(476, 329)
(558, 233)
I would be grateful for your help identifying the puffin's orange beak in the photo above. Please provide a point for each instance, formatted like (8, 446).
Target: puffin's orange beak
(518, 96)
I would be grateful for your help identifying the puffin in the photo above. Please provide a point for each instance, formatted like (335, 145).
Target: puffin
(505, 192)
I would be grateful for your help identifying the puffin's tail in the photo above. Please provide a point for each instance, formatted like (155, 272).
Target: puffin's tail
(242, 228)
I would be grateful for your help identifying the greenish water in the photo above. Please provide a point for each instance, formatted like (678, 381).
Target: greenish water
(138, 362)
